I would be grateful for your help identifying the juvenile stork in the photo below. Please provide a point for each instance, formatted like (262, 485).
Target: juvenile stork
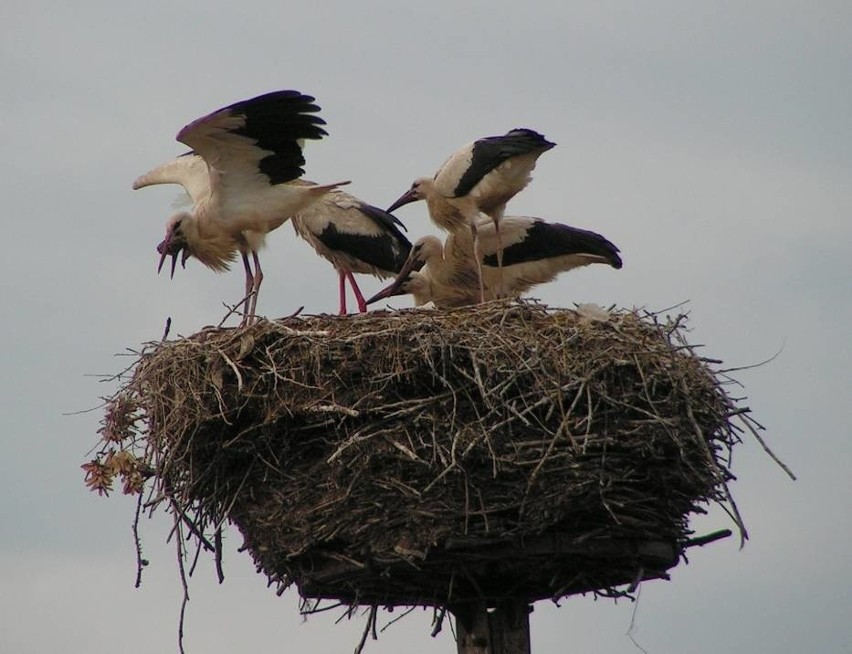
(425, 289)
(480, 177)
(429, 277)
(239, 177)
(535, 252)
(355, 237)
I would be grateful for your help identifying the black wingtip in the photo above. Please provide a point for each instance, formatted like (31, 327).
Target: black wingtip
(615, 261)
(533, 138)
(277, 122)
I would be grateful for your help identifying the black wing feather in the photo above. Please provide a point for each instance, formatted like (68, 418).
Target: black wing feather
(387, 251)
(277, 121)
(548, 240)
(387, 221)
(491, 151)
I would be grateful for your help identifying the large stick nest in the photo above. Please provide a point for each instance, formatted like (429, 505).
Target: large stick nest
(433, 457)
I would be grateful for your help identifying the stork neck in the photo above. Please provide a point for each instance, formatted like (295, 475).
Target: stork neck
(446, 213)
(208, 242)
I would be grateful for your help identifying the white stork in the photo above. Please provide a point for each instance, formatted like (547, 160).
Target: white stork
(355, 237)
(535, 252)
(429, 278)
(425, 289)
(239, 177)
(480, 177)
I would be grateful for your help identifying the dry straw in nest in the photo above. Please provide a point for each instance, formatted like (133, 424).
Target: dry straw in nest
(432, 458)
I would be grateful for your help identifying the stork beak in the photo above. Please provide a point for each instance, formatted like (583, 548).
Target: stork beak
(167, 248)
(173, 266)
(394, 288)
(412, 264)
(406, 198)
(164, 252)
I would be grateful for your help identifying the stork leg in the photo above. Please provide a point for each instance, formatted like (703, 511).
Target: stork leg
(501, 293)
(258, 278)
(477, 255)
(341, 276)
(246, 302)
(359, 298)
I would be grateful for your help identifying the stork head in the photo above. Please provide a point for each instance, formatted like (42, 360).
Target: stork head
(417, 192)
(427, 249)
(410, 282)
(408, 277)
(174, 244)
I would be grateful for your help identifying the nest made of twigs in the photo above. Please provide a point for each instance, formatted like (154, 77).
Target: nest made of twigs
(432, 457)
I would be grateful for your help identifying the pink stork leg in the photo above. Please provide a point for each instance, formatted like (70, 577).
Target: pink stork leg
(477, 255)
(246, 302)
(252, 288)
(362, 303)
(342, 278)
(500, 289)
(258, 278)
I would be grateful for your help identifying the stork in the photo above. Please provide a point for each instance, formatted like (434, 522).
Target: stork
(534, 252)
(355, 237)
(430, 277)
(425, 289)
(480, 177)
(239, 177)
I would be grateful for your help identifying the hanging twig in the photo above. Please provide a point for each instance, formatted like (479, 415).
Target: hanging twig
(369, 627)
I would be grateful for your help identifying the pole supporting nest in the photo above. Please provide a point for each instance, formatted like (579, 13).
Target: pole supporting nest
(504, 629)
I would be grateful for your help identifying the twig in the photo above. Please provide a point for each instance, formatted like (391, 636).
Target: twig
(748, 424)
(183, 580)
(217, 541)
(295, 313)
(232, 309)
(699, 541)
(369, 627)
(715, 465)
(140, 562)
(755, 365)
(405, 613)
(439, 622)
(632, 626)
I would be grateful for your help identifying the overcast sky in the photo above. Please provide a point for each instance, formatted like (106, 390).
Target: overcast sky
(711, 141)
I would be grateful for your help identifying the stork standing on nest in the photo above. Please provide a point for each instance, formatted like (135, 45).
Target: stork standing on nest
(480, 177)
(355, 237)
(252, 152)
(534, 252)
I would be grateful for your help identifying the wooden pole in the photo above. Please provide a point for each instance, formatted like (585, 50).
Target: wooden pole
(503, 630)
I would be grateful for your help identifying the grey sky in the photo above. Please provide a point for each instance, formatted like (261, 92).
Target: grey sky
(710, 141)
